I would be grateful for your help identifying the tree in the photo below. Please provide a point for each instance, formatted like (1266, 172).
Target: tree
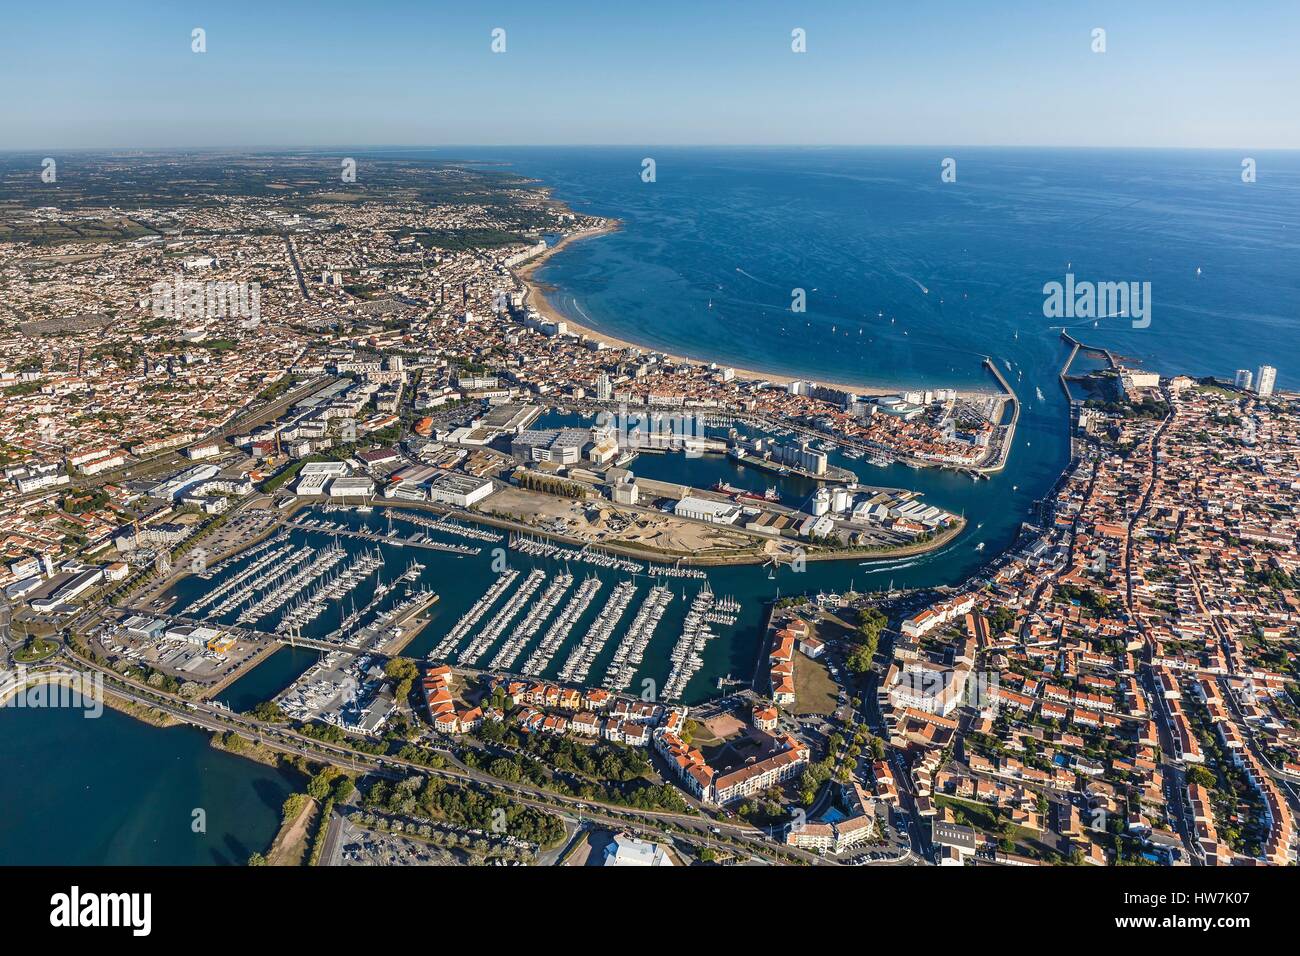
(342, 789)
(689, 730)
(1201, 775)
(870, 623)
(318, 788)
(1002, 620)
(257, 860)
(1007, 836)
(401, 672)
(859, 659)
(268, 712)
(293, 805)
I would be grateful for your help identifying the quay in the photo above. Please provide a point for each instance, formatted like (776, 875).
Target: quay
(413, 541)
(832, 473)
(1008, 436)
(367, 640)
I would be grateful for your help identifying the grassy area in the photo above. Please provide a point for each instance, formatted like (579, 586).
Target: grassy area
(1217, 390)
(814, 691)
(975, 815)
(703, 737)
(35, 650)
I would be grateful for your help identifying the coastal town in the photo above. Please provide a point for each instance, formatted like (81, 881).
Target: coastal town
(514, 574)
(1118, 688)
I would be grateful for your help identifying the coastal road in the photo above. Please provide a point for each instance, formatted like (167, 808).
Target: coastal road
(285, 740)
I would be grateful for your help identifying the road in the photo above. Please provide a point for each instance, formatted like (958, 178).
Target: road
(285, 740)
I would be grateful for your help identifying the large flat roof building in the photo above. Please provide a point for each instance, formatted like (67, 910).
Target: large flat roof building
(459, 490)
(704, 509)
(351, 487)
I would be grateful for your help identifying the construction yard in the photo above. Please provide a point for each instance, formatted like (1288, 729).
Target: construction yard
(599, 522)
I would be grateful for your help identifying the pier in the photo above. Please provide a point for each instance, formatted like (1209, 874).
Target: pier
(1008, 436)
(207, 574)
(602, 629)
(686, 655)
(447, 525)
(631, 649)
(1075, 348)
(473, 615)
(398, 541)
(501, 620)
(289, 586)
(536, 548)
(245, 579)
(525, 630)
(334, 589)
(559, 630)
(387, 634)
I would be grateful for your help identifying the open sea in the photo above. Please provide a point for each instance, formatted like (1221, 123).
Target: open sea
(909, 281)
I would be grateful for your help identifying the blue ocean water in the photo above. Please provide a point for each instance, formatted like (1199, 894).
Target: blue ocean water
(115, 791)
(910, 280)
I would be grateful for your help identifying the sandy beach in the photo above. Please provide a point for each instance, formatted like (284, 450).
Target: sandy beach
(537, 300)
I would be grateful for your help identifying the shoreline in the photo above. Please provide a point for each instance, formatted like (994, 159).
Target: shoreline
(536, 298)
(108, 698)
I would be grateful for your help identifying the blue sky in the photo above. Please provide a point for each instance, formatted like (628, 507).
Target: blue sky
(1190, 73)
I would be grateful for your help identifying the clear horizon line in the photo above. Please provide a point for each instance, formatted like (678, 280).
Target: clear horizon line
(11, 151)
